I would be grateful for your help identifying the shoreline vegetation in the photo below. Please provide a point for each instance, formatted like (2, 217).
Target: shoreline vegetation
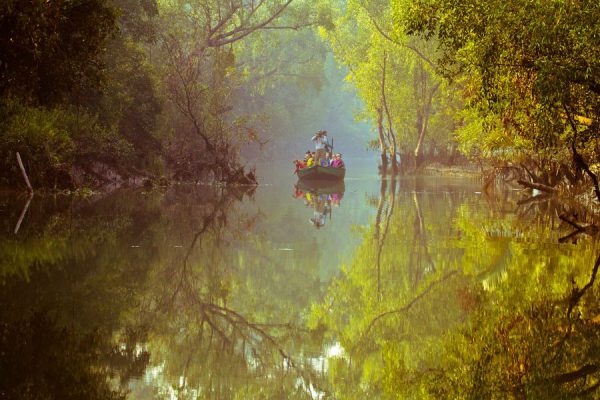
(103, 93)
(462, 80)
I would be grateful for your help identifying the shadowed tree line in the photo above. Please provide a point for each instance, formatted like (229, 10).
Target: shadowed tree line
(117, 91)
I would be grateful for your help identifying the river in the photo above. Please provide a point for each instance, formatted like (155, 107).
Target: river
(422, 287)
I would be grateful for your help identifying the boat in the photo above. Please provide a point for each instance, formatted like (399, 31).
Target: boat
(320, 173)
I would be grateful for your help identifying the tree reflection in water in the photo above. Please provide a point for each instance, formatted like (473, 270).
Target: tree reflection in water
(219, 327)
(178, 290)
(61, 295)
(473, 303)
(187, 293)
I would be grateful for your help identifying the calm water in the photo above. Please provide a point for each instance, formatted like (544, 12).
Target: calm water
(419, 288)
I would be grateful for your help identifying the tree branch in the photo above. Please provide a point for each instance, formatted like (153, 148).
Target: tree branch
(241, 32)
(389, 38)
(578, 158)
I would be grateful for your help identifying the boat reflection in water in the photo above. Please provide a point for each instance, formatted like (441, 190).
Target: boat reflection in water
(321, 196)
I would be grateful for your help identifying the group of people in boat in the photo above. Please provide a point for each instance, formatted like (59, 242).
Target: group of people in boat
(323, 155)
(330, 160)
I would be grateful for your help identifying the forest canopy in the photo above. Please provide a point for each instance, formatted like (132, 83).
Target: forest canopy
(95, 90)
(147, 90)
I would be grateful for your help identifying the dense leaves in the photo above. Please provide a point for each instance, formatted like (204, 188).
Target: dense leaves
(529, 71)
(97, 92)
(50, 48)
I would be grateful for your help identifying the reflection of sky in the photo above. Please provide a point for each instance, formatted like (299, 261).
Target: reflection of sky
(287, 219)
(287, 224)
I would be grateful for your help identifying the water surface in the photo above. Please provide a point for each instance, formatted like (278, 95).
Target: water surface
(415, 288)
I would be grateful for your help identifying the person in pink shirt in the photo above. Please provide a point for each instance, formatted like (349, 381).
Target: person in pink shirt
(338, 162)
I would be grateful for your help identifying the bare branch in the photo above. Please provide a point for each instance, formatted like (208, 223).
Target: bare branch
(242, 31)
(389, 38)
(291, 27)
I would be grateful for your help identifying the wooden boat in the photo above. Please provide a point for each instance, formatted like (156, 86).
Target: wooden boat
(319, 173)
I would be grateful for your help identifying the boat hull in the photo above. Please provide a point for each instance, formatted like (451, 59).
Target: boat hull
(319, 173)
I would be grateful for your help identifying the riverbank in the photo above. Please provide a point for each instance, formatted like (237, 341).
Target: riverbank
(463, 171)
(103, 178)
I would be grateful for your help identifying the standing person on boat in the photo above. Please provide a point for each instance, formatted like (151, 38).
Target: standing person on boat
(321, 145)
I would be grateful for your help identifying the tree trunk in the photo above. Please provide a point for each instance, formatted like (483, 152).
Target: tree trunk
(537, 186)
(378, 241)
(382, 144)
(394, 157)
(424, 100)
(419, 149)
(391, 134)
(578, 159)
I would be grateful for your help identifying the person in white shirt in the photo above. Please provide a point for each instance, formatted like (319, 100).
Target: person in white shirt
(321, 145)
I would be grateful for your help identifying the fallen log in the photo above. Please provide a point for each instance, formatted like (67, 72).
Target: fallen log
(538, 186)
(20, 162)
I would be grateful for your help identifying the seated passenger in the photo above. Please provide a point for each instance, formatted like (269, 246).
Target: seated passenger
(338, 162)
(329, 159)
(300, 164)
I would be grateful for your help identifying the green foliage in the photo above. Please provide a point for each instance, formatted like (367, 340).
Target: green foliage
(90, 72)
(50, 141)
(394, 76)
(148, 87)
(529, 65)
(41, 138)
(131, 102)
